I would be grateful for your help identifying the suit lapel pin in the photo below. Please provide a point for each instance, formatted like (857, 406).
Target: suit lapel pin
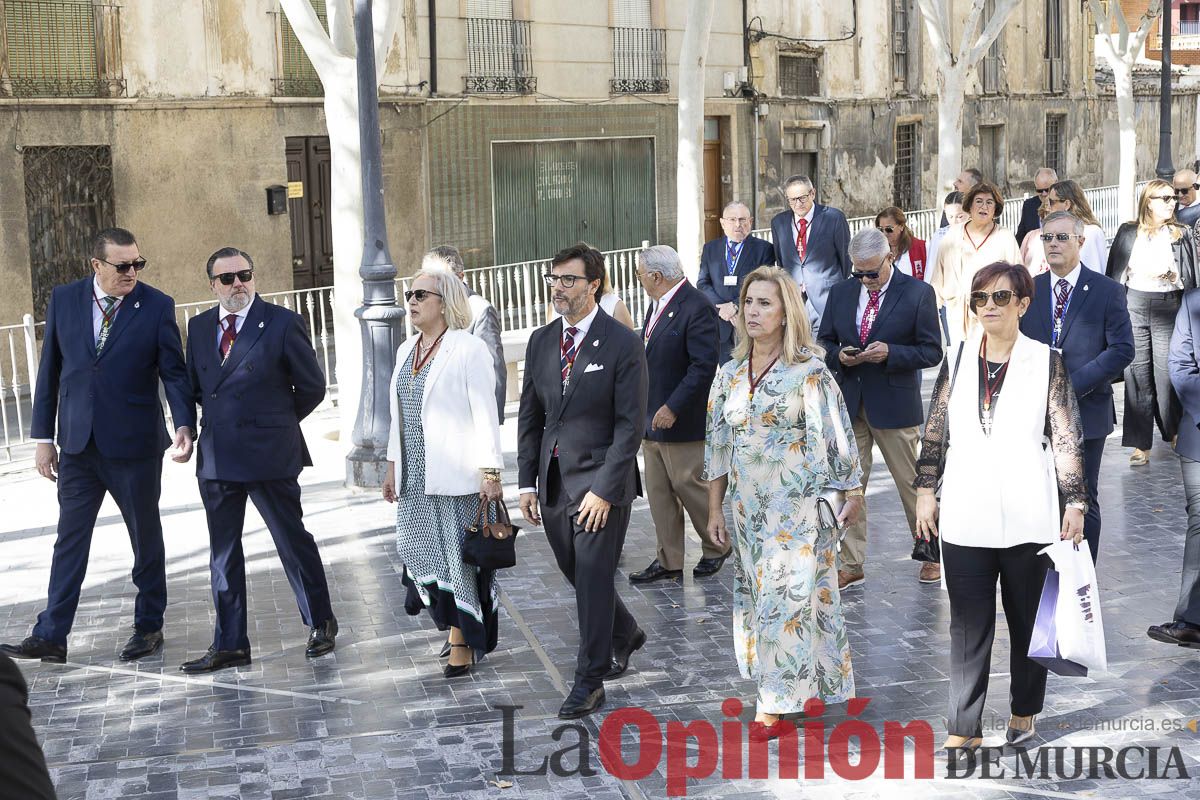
(670, 314)
(1085, 287)
(261, 324)
(138, 304)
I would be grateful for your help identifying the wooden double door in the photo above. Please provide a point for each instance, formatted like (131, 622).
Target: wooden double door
(310, 209)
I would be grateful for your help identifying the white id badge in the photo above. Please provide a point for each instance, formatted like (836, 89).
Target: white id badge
(731, 280)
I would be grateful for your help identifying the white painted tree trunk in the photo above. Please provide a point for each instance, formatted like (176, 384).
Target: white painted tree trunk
(689, 181)
(1126, 120)
(951, 100)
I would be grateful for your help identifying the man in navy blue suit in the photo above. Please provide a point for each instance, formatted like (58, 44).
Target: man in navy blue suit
(810, 243)
(109, 339)
(681, 359)
(255, 376)
(724, 262)
(1187, 204)
(879, 331)
(1043, 179)
(1183, 362)
(1083, 315)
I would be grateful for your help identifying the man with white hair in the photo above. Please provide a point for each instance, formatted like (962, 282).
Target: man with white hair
(725, 261)
(880, 329)
(485, 320)
(681, 341)
(1043, 179)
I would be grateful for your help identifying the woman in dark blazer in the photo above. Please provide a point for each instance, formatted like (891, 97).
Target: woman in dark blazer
(1154, 258)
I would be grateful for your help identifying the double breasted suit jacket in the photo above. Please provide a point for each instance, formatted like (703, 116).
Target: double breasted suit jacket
(1096, 341)
(826, 259)
(908, 323)
(596, 422)
(681, 359)
(252, 403)
(111, 397)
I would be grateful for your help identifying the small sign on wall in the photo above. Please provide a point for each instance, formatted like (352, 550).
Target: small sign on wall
(295, 190)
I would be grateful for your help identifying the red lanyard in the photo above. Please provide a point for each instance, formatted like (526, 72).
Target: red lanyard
(422, 361)
(990, 389)
(659, 315)
(967, 233)
(107, 315)
(754, 383)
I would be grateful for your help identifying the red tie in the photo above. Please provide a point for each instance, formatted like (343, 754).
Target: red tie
(228, 335)
(801, 238)
(864, 330)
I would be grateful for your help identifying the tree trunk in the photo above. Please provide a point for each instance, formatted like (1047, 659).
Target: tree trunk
(951, 97)
(1127, 173)
(689, 183)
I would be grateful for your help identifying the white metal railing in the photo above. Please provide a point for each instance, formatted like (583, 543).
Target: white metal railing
(18, 373)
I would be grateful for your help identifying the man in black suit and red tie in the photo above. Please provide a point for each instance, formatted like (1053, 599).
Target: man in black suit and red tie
(810, 243)
(255, 376)
(724, 262)
(583, 409)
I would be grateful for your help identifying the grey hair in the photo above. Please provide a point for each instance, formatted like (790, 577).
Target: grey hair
(663, 259)
(868, 243)
(736, 204)
(444, 256)
(1046, 171)
(801, 180)
(1076, 222)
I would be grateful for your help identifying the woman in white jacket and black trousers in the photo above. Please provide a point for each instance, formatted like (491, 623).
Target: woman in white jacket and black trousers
(443, 457)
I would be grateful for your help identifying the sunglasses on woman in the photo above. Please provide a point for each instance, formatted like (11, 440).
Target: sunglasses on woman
(420, 294)
(1001, 298)
(889, 228)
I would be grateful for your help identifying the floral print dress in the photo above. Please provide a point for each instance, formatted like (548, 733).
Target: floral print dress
(780, 449)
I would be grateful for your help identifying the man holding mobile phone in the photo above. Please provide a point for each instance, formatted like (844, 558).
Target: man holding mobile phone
(880, 329)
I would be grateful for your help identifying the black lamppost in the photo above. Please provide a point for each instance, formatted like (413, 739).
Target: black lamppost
(1165, 170)
(379, 316)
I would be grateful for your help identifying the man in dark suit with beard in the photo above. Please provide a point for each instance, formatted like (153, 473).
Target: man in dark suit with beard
(724, 262)
(583, 409)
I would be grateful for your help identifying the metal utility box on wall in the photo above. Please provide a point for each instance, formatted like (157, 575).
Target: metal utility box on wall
(276, 200)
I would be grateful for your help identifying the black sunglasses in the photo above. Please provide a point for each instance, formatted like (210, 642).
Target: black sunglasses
(137, 265)
(889, 228)
(226, 278)
(1050, 237)
(420, 294)
(1001, 298)
(1185, 190)
(1042, 191)
(870, 276)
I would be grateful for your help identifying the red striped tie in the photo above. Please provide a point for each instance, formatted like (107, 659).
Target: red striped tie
(568, 353)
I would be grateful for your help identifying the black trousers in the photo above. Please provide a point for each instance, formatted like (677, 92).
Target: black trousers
(1093, 454)
(279, 503)
(971, 574)
(589, 563)
(1149, 396)
(135, 485)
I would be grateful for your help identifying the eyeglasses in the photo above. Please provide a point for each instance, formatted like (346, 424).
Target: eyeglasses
(420, 294)
(794, 200)
(890, 228)
(1042, 191)
(870, 276)
(1186, 189)
(226, 278)
(1166, 198)
(137, 264)
(736, 220)
(566, 281)
(1061, 237)
(1001, 298)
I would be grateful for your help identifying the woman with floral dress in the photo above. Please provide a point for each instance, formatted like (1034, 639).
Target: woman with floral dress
(777, 438)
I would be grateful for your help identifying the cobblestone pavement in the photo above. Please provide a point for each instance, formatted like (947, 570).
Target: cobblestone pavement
(377, 720)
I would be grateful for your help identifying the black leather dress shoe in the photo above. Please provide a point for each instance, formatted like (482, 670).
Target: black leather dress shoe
(216, 659)
(655, 572)
(709, 566)
(1180, 633)
(322, 638)
(35, 647)
(141, 644)
(620, 659)
(581, 702)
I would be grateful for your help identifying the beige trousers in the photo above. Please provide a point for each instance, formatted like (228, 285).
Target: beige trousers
(674, 483)
(899, 448)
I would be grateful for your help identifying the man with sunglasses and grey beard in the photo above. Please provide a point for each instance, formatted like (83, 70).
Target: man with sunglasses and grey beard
(255, 376)
(109, 339)
(880, 329)
(1083, 315)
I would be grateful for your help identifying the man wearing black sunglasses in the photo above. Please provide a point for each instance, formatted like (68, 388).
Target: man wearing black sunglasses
(1043, 179)
(255, 375)
(1187, 206)
(109, 340)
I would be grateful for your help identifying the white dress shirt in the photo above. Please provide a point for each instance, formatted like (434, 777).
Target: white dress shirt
(796, 224)
(238, 323)
(98, 296)
(660, 304)
(864, 297)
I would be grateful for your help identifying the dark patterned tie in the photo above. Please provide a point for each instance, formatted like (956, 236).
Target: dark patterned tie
(568, 353)
(228, 335)
(1062, 293)
(106, 318)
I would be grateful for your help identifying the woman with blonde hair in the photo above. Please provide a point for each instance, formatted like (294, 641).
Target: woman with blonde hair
(1069, 196)
(1155, 259)
(778, 437)
(444, 458)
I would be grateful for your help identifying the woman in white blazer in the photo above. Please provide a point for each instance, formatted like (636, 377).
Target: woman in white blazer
(995, 401)
(443, 457)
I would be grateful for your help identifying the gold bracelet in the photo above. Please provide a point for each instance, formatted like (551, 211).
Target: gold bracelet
(856, 492)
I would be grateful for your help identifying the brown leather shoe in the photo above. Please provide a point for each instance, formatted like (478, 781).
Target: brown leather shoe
(930, 572)
(849, 579)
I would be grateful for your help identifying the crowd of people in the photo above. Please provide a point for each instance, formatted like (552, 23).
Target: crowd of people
(756, 398)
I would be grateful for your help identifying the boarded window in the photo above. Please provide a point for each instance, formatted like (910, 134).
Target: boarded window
(992, 160)
(906, 178)
(801, 146)
(798, 76)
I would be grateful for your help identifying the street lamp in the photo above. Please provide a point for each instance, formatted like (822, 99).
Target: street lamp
(379, 316)
(1165, 170)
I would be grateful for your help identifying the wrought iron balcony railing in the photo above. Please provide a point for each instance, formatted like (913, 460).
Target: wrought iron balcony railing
(295, 74)
(499, 57)
(639, 61)
(60, 48)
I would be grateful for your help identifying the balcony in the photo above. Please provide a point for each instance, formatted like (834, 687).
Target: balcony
(60, 48)
(499, 57)
(639, 61)
(295, 76)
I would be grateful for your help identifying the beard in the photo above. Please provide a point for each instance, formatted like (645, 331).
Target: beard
(237, 301)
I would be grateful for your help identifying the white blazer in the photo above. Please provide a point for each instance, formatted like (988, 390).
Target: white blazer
(1000, 490)
(458, 415)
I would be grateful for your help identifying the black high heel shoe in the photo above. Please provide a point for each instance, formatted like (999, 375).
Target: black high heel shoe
(452, 671)
(445, 650)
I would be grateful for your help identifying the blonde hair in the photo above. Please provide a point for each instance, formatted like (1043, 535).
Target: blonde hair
(1145, 220)
(798, 343)
(454, 296)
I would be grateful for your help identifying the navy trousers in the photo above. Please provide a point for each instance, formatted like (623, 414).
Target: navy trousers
(135, 485)
(1093, 453)
(279, 503)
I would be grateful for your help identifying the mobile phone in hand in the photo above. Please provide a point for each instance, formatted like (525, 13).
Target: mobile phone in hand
(851, 350)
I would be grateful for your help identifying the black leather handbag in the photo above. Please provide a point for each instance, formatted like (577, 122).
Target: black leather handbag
(491, 545)
(928, 550)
